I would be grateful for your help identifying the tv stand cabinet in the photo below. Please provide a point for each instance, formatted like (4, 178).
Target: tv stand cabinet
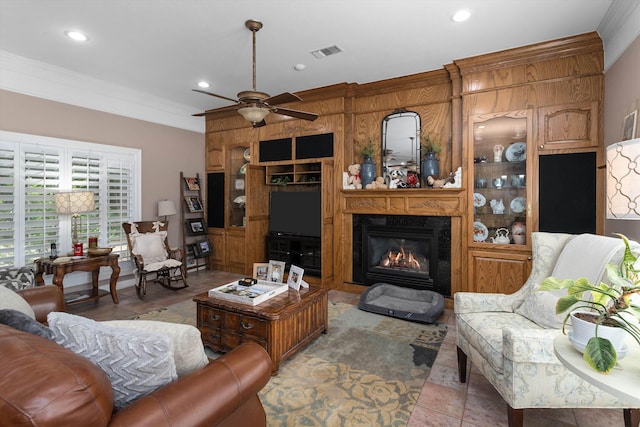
(303, 251)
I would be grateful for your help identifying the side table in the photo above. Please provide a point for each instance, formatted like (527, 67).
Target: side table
(622, 382)
(61, 266)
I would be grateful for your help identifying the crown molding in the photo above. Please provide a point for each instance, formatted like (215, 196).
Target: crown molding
(618, 29)
(35, 78)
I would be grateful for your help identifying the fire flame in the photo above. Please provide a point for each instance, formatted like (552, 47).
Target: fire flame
(400, 260)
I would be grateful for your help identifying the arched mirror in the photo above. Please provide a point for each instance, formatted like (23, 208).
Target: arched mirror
(401, 143)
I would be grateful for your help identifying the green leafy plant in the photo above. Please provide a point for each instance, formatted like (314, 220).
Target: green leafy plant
(430, 144)
(367, 149)
(616, 304)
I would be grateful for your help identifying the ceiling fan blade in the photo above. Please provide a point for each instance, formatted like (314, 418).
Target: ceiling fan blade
(217, 96)
(218, 110)
(294, 113)
(259, 124)
(283, 98)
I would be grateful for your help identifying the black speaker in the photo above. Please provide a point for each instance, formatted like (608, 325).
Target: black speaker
(567, 201)
(275, 150)
(312, 146)
(215, 199)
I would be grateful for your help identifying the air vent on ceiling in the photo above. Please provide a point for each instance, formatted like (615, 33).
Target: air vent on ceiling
(331, 50)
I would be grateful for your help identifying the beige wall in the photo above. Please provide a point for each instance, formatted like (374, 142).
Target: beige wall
(621, 97)
(166, 151)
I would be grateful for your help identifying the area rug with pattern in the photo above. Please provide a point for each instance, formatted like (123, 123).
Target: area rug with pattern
(367, 370)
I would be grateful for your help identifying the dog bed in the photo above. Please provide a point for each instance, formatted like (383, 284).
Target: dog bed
(405, 303)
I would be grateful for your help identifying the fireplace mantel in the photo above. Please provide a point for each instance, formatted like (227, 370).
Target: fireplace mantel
(450, 202)
(427, 202)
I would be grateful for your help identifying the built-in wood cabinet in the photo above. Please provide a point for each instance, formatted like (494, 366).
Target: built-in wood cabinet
(558, 87)
(498, 271)
(232, 180)
(568, 126)
(551, 96)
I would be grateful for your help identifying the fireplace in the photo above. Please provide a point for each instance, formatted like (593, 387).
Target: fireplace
(403, 250)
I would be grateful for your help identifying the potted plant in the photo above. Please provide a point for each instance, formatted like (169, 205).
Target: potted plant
(429, 147)
(368, 166)
(615, 305)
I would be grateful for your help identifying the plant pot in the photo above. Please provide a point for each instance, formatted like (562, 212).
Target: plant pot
(430, 167)
(583, 330)
(367, 172)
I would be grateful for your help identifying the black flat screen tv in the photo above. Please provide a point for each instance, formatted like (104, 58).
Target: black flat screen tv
(297, 213)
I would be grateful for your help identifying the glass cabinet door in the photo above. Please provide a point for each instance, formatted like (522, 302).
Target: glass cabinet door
(238, 165)
(501, 143)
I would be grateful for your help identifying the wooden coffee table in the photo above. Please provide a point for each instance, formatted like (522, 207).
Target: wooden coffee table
(282, 325)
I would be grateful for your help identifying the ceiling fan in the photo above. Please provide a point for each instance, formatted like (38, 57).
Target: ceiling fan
(254, 106)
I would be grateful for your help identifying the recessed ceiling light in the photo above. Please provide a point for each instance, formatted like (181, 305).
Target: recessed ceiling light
(461, 15)
(76, 35)
(299, 67)
(203, 85)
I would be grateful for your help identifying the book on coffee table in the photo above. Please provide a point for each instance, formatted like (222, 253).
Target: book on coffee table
(252, 295)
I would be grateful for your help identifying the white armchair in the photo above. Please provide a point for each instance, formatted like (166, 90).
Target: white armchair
(509, 338)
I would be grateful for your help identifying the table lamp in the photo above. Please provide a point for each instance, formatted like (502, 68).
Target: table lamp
(166, 208)
(74, 203)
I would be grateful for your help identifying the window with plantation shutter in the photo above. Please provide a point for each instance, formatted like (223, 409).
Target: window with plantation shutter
(40, 167)
(34, 168)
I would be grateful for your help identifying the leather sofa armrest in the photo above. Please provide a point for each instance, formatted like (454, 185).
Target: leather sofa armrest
(207, 396)
(43, 300)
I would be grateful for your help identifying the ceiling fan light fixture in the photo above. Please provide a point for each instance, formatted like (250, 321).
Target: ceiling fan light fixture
(254, 114)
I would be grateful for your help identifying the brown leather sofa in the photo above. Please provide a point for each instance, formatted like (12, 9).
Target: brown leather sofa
(44, 384)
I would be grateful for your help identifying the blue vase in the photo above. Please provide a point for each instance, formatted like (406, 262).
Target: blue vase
(430, 167)
(367, 171)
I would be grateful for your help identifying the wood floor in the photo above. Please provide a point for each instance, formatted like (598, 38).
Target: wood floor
(444, 401)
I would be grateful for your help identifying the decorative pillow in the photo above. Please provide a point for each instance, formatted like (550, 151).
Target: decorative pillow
(20, 321)
(188, 350)
(10, 299)
(17, 278)
(136, 362)
(540, 308)
(150, 246)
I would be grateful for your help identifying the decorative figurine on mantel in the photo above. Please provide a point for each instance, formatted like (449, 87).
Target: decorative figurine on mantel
(378, 184)
(351, 181)
(457, 179)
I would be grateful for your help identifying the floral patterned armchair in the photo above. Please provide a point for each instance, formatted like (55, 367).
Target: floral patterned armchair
(509, 338)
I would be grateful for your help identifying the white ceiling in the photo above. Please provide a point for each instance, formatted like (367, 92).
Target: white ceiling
(144, 56)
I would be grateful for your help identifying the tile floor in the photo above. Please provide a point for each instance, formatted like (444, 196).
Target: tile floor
(444, 401)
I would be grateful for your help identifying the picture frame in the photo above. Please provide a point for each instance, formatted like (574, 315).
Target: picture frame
(239, 184)
(276, 271)
(629, 125)
(192, 183)
(202, 248)
(195, 226)
(194, 204)
(261, 270)
(294, 280)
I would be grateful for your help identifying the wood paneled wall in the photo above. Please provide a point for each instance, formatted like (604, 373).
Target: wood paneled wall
(563, 71)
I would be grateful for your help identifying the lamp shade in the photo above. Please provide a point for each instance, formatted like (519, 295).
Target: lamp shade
(253, 113)
(75, 202)
(623, 180)
(166, 207)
